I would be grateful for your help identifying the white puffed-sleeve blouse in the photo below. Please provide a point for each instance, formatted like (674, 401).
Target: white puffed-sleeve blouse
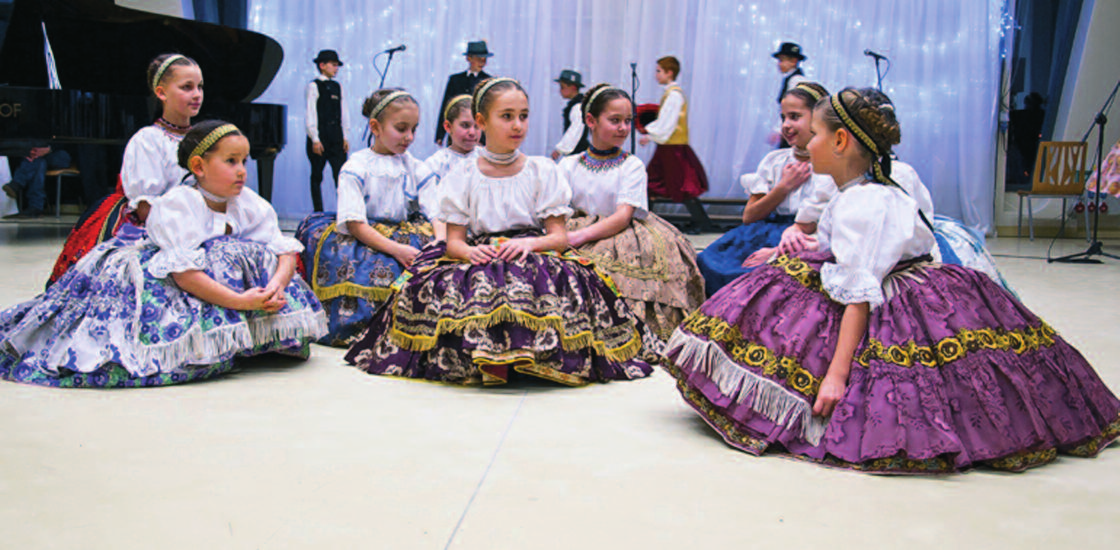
(372, 186)
(869, 228)
(180, 221)
(151, 165)
(769, 173)
(599, 192)
(493, 205)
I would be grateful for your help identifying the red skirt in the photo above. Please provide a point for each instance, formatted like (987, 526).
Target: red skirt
(675, 173)
(97, 224)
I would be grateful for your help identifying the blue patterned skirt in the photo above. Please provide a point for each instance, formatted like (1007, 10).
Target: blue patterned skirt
(722, 261)
(109, 323)
(351, 279)
(959, 244)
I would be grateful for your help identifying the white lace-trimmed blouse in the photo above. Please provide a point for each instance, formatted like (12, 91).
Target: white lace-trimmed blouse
(600, 191)
(151, 165)
(372, 186)
(869, 228)
(769, 173)
(440, 163)
(180, 222)
(492, 205)
(903, 174)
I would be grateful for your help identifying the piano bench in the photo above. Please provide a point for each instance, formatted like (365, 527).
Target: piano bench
(58, 175)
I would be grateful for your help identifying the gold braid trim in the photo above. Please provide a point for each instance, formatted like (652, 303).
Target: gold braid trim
(369, 293)
(854, 127)
(212, 138)
(1094, 445)
(163, 68)
(956, 347)
(783, 369)
(454, 100)
(809, 90)
(506, 314)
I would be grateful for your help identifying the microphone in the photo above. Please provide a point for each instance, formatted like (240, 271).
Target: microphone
(870, 53)
(400, 48)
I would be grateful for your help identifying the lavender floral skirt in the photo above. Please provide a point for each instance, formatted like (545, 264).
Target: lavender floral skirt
(350, 278)
(550, 316)
(109, 323)
(954, 373)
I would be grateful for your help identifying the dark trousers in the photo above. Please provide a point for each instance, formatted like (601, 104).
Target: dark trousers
(30, 177)
(334, 154)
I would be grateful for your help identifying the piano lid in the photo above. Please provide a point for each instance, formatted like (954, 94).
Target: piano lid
(101, 47)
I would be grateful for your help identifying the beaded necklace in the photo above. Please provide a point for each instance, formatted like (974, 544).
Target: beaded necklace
(597, 160)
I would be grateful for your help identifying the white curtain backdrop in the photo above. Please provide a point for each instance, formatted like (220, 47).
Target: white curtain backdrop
(944, 78)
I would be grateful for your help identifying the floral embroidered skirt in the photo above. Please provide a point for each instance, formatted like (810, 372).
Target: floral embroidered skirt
(722, 261)
(109, 323)
(351, 279)
(953, 373)
(96, 225)
(675, 173)
(959, 244)
(654, 268)
(548, 315)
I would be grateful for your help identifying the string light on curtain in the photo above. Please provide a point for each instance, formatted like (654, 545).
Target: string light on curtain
(944, 75)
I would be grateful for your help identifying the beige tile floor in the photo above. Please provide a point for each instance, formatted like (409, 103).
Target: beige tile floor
(286, 454)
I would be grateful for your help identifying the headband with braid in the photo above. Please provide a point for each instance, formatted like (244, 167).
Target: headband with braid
(385, 101)
(881, 164)
(163, 69)
(591, 101)
(212, 138)
(809, 90)
(481, 93)
(454, 100)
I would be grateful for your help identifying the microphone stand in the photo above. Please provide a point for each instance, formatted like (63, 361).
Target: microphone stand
(1095, 247)
(878, 72)
(633, 104)
(386, 71)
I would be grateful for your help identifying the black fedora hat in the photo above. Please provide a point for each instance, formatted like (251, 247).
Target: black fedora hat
(326, 56)
(477, 49)
(790, 49)
(570, 77)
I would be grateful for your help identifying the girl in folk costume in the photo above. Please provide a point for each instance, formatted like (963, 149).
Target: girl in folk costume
(502, 295)
(956, 243)
(782, 183)
(150, 166)
(459, 124)
(864, 354)
(213, 280)
(651, 262)
(674, 171)
(384, 195)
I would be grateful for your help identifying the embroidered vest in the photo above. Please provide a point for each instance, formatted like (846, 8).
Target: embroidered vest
(680, 134)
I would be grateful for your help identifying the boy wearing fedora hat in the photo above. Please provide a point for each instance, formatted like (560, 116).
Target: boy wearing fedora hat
(463, 83)
(326, 121)
(575, 133)
(789, 58)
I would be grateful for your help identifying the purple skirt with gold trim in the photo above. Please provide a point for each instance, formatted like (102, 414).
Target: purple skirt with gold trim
(550, 315)
(953, 373)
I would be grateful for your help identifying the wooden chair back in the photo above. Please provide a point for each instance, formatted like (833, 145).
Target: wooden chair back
(1059, 168)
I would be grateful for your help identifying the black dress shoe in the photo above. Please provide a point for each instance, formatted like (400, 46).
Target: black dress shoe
(10, 190)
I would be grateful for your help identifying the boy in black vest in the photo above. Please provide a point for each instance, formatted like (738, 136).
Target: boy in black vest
(326, 124)
(463, 83)
(574, 140)
(789, 58)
